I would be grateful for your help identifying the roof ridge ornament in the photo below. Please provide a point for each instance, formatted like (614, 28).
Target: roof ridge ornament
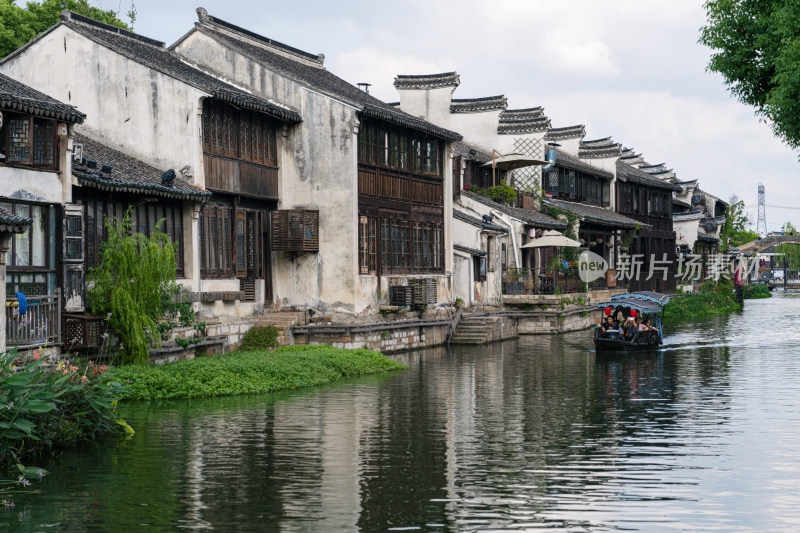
(202, 15)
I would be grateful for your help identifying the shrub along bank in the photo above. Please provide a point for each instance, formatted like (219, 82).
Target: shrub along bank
(48, 404)
(251, 372)
(711, 299)
(754, 292)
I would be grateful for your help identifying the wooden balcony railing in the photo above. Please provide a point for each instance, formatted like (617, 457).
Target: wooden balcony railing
(40, 325)
(240, 177)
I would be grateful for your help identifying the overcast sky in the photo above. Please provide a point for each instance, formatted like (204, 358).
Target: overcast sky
(629, 69)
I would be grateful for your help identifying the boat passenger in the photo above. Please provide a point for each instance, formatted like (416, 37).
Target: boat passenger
(630, 328)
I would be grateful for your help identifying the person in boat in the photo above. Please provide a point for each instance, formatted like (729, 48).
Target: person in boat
(630, 328)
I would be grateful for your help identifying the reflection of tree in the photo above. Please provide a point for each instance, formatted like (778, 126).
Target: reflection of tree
(539, 430)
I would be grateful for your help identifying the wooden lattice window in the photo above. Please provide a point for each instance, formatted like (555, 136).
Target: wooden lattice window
(44, 142)
(215, 242)
(30, 141)
(19, 140)
(239, 134)
(295, 230)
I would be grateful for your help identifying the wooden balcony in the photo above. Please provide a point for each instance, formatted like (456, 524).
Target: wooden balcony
(240, 177)
(40, 325)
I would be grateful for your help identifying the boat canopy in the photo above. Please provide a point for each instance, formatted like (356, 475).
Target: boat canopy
(645, 302)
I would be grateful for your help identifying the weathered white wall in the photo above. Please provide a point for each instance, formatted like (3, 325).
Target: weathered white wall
(127, 105)
(686, 231)
(432, 105)
(31, 185)
(318, 170)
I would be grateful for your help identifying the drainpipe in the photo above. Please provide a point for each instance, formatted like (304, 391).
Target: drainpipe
(551, 158)
(502, 219)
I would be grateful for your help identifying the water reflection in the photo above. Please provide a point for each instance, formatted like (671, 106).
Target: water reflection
(536, 433)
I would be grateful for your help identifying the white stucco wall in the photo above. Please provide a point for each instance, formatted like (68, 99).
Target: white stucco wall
(432, 105)
(31, 185)
(127, 105)
(318, 170)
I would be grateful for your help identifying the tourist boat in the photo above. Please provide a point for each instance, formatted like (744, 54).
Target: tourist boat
(646, 304)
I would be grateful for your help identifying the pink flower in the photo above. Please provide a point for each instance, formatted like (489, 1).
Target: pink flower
(84, 378)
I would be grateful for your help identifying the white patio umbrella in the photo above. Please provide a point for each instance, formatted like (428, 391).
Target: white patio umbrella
(552, 238)
(513, 161)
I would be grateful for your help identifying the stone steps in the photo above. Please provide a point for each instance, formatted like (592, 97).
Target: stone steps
(282, 320)
(474, 330)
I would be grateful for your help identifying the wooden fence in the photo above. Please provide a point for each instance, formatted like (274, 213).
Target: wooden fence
(40, 325)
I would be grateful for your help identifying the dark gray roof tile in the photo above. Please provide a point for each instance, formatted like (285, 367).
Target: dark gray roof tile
(597, 215)
(316, 78)
(477, 105)
(529, 216)
(566, 160)
(478, 223)
(154, 55)
(18, 97)
(626, 172)
(427, 81)
(11, 223)
(128, 173)
(568, 132)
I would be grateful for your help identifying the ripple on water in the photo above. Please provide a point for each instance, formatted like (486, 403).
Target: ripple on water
(538, 433)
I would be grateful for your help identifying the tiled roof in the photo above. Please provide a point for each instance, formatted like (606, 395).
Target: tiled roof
(127, 173)
(154, 55)
(18, 97)
(475, 105)
(11, 223)
(467, 249)
(517, 121)
(708, 238)
(566, 160)
(626, 172)
(692, 215)
(313, 77)
(599, 149)
(568, 132)
(653, 168)
(463, 149)
(478, 223)
(597, 215)
(529, 216)
(630, 156)
(681, 203)
(427, 81)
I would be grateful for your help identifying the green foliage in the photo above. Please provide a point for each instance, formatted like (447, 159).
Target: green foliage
(790, 253)
(573, 220)
(737, 228)
(135, 287)
(18, 25)
(710, 299)
(253, 372)
(756, 46)
(260, 338)
(502, 194)
(48, 405)
(756, 291)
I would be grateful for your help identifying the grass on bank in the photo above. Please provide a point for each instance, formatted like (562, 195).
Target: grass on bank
(251, 372)
(711, 299)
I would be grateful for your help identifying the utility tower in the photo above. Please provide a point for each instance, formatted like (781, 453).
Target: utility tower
(761, 225)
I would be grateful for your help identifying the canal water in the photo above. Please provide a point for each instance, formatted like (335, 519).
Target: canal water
(532, 434)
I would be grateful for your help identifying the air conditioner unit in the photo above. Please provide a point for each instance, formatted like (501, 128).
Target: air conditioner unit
(424, 291)
(77, 152)
(401, 295)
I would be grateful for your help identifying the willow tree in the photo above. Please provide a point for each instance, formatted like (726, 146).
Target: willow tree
(134, 286)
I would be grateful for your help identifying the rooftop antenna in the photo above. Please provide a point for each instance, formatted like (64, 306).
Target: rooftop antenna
(364, 86)
(761, 226)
